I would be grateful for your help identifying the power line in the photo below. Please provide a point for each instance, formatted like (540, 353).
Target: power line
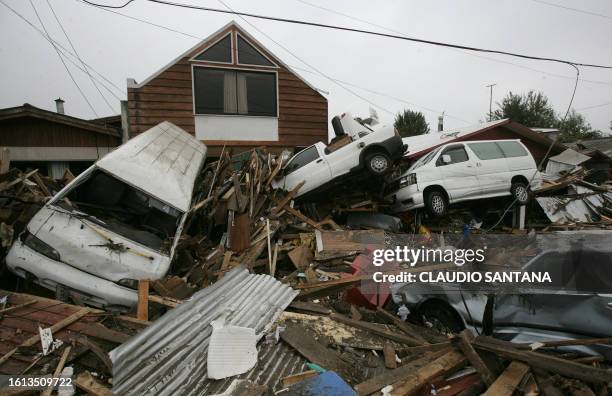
(292, 66)
(79, 57)
(64, 51)
(63, 62)
(368, 32)
(594, 107)
(109, 6)
(309, 65)
(573, 9)
(388, 96)
(352, 17)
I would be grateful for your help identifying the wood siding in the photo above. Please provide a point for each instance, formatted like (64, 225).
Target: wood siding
(33, 132)
(302, 117)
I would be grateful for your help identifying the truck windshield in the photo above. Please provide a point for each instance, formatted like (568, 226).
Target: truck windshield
(424, 160)
(125, 210)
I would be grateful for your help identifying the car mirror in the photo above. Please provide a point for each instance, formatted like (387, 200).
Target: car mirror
(446, 159)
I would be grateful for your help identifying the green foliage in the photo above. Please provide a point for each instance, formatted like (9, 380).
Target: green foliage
(534, 110)
(575, 127)
(411, 123)
(531, 109)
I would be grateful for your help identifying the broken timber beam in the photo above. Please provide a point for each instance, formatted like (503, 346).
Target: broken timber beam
(447, 363)
(375, 329)
(280, 205)
(506, 383)
(465, 344)
(67, 321)
(142, 312)
(549, 363)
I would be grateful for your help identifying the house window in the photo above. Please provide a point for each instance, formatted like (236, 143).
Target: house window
(233, 92)
(219, 52)
(248, 55)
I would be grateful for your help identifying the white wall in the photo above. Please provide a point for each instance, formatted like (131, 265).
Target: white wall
(226, 127)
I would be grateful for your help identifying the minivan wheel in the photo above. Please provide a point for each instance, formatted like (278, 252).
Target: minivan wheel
(520, 193)
(378, 163)
(436, 203)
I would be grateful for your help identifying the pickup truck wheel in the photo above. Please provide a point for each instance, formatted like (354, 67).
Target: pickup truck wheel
(378, 163)
(436, 203)
(520, 192)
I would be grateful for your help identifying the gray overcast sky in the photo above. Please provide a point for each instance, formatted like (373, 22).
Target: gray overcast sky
(426, 78)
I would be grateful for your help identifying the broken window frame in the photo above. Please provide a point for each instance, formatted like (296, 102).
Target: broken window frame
(62, 197)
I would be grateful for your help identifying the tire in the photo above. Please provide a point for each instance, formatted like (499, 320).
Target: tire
(520, 193)
(378, 163)
(436, 203)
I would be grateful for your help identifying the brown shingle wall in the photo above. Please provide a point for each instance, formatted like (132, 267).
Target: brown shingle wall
(168, 97)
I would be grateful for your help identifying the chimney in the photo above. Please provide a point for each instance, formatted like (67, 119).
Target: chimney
(441, 122)
(59, 105)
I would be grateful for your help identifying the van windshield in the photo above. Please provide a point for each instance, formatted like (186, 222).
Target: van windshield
(424, 160)
(124, 210)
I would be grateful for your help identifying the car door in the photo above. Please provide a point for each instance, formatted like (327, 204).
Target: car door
(492, 168)
(345, 158)
(460, 174)
(308, 165)
(520, 162)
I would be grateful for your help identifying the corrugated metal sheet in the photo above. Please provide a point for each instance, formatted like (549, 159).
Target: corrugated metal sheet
(169, 357)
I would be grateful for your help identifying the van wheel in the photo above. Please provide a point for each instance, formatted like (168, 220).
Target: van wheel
(378, 163)
(436, 203)
(520, 192)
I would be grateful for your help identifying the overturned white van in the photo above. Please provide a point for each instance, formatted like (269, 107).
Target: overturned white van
(116, 223)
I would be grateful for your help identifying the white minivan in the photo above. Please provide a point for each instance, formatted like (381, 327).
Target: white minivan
(464, 171)
(115, 223)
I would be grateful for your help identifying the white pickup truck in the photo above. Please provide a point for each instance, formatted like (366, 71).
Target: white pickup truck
(357, 145)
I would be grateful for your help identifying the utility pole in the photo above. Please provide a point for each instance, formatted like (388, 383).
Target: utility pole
(490, 86)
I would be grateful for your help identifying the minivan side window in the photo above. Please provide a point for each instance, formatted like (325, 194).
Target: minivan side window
(456, 153)
(512, 149)
(302, 158)
(486, 150)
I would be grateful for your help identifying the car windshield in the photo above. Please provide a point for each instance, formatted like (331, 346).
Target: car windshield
(424, 160)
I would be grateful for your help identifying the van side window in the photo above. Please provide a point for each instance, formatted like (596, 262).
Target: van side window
(302, 158)
(456, 153)
(486, 150)
(512, 149)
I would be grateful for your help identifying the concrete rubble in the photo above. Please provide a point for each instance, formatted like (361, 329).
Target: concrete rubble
(269, 294)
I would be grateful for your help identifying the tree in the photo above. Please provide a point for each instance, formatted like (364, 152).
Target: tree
(411, 123)
(531, 109)
(575, 127)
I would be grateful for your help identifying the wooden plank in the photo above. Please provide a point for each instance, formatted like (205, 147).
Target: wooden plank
(308, 306)
(447, 363)
(240, 233)
(142, 312)
(295, 378)
(58, 369)
(407, 328)
(376, 329)
(465, 344)
(506, 383)
(342, 241)
(91, 385)
(285, 200)
(55, 328)
(389, 355)
(16, 307)
(546, 362)
(301, 257)
(378, 382)
(316, 353)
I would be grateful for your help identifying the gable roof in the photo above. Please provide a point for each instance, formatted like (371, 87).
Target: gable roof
(27, 110)
(203, 44)
(421, 144)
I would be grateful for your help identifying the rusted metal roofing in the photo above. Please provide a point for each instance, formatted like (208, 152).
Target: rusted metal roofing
(169, 357)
